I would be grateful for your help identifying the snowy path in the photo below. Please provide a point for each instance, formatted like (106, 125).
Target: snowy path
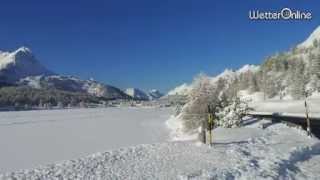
(277, 152)
(32, 138)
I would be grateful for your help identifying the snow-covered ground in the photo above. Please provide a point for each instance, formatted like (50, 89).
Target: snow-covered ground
(284, 106)
(288, 107)
(32, 138)
(276, 152)
(132, 143)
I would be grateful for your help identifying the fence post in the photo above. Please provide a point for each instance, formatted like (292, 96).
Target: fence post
(202, 133)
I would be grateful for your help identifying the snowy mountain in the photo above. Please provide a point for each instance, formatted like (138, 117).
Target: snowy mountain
(137, 94)
(154, 94)
(73, 84)
(19, 64)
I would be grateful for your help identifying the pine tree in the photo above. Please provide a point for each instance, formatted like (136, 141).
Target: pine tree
(253, 84)
(315, 65)
(315, 43)
(298, 82)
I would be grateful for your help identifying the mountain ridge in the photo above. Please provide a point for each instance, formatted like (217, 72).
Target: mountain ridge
(22, 68)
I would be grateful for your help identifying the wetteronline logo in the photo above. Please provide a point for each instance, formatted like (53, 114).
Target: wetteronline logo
(283, 14)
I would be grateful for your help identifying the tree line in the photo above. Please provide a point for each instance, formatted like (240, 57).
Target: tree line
(45, 98)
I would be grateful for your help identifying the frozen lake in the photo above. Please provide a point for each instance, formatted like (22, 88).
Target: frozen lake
(32, 138)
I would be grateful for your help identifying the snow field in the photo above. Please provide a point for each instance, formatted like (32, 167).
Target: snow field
(276, 152)
(32, 138)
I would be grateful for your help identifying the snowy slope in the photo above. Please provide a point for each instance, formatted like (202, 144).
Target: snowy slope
(247, 68)
(19, 64)
(277, 152)
(315, 35)
(227, 75)
(183, 89)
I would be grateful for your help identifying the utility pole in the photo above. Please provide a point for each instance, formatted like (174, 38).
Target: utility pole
(307, 115)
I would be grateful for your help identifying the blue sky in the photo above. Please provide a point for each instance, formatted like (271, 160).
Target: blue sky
(149, 44)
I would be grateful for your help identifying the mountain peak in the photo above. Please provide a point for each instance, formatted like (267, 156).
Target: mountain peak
(315, 35)
(154, 94)
(23, 49)
(19, 64)
(23, 53)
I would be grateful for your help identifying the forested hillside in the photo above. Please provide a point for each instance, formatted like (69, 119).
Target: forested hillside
(294, 74)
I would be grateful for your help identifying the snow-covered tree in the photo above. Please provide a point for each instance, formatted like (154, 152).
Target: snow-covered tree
(202, 94)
